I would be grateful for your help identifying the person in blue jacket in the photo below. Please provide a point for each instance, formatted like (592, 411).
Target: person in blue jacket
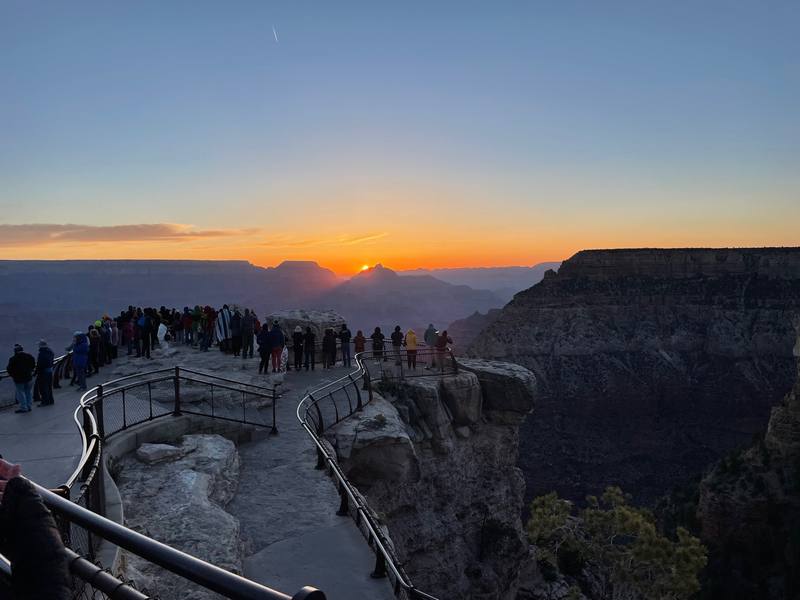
(80, 358)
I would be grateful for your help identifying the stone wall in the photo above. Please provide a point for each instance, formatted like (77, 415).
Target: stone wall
(436, 459)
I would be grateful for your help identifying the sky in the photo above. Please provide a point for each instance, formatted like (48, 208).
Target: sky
(416, 134)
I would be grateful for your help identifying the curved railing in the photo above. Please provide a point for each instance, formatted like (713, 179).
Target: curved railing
(114, 406)
(332, 403)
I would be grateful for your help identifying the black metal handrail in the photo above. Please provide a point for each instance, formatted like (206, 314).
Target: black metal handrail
(310, 415)
(83, 516)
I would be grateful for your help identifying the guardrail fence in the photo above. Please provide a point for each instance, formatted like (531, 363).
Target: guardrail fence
(78, 505)
(338, 400)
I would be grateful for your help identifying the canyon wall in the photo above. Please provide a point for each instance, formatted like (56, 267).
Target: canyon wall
(748, 512)
(651, 364)
(437, 464)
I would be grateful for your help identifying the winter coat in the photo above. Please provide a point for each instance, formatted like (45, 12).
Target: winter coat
(329, 343)
(309, 340)
(44, 362)
(397, 338)
(297, 341)
(80, 352)
(360, 343)
(236, 325)
(248, 324)
(344, 336)
(263, 341)
(277, 339)
(377, 341)
(430, 336)
(20, 367)
(411, 340)
(30, 540)
(442, 341)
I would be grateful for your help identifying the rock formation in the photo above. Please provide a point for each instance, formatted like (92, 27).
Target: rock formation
(749, 511)
(652, 364)
(177, 494)
(318, 320)
(436, 460)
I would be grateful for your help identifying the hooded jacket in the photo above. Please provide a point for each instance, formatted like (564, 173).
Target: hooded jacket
(44, 362)
(80, 351)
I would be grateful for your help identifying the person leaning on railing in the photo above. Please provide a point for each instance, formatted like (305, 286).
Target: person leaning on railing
(29, 539)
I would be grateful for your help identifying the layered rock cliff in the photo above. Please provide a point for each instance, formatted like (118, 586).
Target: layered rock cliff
(436, 459)
(652, 364)
(749, 512)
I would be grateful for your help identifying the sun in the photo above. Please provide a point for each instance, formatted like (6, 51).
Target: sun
(365, 267)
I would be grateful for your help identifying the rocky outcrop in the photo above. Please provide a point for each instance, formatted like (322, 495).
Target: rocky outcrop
(318, 320)
(436, 460)
(651, 364)
(465, 331)
(749, 511)
(176, 494)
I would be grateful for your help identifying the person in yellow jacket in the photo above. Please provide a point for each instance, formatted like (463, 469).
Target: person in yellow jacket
(410, 342)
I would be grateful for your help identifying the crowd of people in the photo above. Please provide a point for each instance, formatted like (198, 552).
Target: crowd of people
(238, 332)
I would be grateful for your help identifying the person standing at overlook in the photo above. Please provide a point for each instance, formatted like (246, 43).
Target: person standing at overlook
(44, 374)
(277, 341)
(264, 349)
(410, 342)
(20, 368)
(297, 347)
(248, 332)
(236, 332)
(344, 337)
(430, 336)
(328, 349)
(377, 342)
(397, 342)
(80, 359)
(309, 348)
(442, 343)
(359, 342)
(223, 328)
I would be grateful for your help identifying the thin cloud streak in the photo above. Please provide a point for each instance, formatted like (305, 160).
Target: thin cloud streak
(38, 234)
(285, 241)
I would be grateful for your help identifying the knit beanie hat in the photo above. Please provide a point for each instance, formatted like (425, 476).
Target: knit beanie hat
(17, 348)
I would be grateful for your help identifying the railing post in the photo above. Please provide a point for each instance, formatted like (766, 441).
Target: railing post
(98, 411)
(343, 508)
(359, 405)
(380, 566)
(177, 411)
(274, 430)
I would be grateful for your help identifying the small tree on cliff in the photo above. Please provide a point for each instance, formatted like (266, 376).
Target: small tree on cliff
(622, 554)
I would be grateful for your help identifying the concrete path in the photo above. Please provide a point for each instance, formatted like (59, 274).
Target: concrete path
(286, 508)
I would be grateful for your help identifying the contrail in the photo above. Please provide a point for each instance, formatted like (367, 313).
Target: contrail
(275, 33)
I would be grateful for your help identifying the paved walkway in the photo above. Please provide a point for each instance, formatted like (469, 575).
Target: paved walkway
(286, 508)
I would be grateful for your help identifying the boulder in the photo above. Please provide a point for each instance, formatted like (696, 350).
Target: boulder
(430, 409)
(318, 320)
(155, 453)
(508, 389)
(374, 445)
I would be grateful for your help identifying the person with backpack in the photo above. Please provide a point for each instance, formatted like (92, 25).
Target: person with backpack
(309, 348)
(442, 343)
(344, 338)
(20, 368)
(44, 374)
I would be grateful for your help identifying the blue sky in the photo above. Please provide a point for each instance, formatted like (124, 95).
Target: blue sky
(605, 121)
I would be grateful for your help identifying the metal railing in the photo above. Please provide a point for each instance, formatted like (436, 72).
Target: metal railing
(115, 406)
(333, 403)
